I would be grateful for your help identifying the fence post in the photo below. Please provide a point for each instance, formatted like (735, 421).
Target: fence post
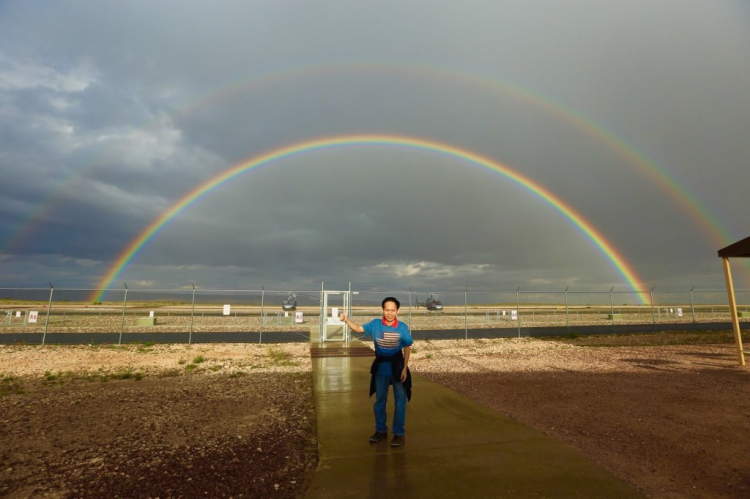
(567, 319)
(466, 314)
(49, 310)
(321, 326)
(192, 313)
(349, 314)
(410, 307)
(612, 308)
(124, 306)
(692, 306)
(262, 309)
(518, 310)
(653, 318)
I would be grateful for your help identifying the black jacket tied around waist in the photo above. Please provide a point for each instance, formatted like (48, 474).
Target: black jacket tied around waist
(397, 365)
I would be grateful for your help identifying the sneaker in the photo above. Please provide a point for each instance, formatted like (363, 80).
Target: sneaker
(398, 441)
(377, 437)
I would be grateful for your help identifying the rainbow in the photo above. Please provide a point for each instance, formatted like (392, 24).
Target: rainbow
(132, 250)
(666, 182)
(688, 202)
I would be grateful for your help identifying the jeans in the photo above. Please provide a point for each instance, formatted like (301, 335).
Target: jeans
(381, 398)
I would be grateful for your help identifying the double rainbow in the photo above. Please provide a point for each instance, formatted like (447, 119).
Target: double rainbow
(711, 225)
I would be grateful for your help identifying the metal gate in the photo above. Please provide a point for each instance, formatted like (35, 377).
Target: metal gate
(333, 303)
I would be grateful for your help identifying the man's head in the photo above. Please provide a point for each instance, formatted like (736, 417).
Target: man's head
(390, 308)
(392, 300)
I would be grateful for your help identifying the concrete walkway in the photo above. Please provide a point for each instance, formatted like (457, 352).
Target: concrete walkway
(454, 447)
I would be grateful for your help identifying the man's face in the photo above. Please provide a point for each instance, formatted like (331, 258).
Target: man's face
(389, 311)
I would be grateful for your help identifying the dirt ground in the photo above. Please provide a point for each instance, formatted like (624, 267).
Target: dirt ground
(215, 421)
(668, 413)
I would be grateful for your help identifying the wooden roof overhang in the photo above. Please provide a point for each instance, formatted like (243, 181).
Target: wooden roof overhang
(740, 249)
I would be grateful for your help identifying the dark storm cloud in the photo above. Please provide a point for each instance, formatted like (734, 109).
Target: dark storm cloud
(116, 111)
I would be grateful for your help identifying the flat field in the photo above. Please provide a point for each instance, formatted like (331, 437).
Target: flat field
(667, 412)
(111, 317)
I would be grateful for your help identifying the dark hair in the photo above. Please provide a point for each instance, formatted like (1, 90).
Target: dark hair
(390, 298)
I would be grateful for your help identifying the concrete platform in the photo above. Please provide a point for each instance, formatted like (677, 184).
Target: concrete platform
(454, 447)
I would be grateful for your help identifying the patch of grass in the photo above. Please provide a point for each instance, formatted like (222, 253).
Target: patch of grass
(191, 367)
(103, 377)
(10, 386)
(127, 374)
(216, 368)
(429, 356)
(169, 373)
(181, 361)
(199, 359)
(122, 375)
(237, 374)
(146, 347)
(99, 376)
(281, 358)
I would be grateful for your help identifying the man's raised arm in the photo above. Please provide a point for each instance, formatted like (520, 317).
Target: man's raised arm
(352, 325)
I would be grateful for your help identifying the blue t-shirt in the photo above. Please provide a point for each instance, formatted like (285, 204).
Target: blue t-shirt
(388, 340)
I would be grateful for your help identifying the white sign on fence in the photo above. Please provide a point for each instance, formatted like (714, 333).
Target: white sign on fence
(18, 314)
(151, 313)
(33, 315)
(298, 317)
(679, 312)
(334, 318)
(503, 313)
(227, 309)
(514, 315)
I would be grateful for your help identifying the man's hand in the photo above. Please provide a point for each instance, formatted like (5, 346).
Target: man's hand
(407, 355)
(352, 325)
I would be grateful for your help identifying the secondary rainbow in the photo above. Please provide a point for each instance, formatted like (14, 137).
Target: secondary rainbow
(688, 202)
(656, 173)
(622, 266)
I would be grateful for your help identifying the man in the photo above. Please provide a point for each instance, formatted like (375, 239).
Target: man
(392, 350)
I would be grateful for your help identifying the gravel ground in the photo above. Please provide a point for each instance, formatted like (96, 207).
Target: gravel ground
(671, 420)
(165, 421)
(238, 421)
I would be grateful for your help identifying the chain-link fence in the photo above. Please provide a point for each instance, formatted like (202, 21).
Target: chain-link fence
(262, 315)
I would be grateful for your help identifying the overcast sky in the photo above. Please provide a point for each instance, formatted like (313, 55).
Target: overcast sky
(110, 112)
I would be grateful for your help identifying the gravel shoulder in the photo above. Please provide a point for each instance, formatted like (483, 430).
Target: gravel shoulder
(238, 420)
